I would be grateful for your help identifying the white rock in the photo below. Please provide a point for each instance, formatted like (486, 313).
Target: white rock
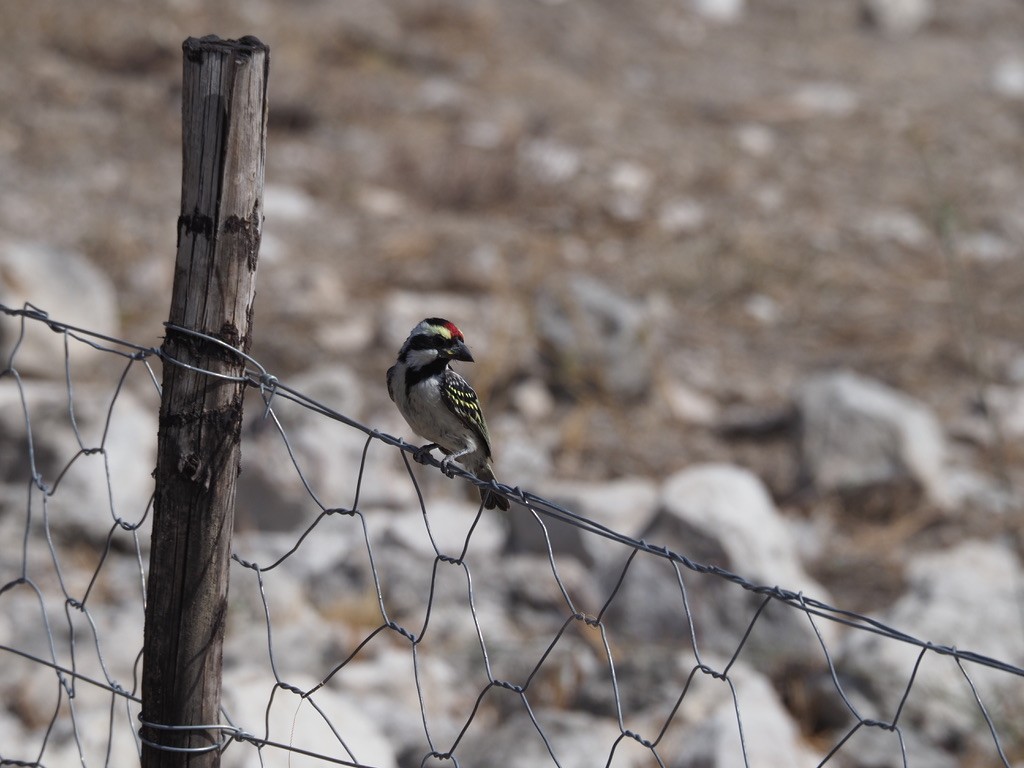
(297, 723)
(756, 140)
(630, 178)
(690, 405)
(273, 249)
(1008, 78)
(1015, 370)
(1007, 406)
(967, 597)
(18, 745)
(986, 247)
(770, 736)
(352, 335)
(93, 740)
(578, 740)
(626, 505)
(763, 308)
(550, 161)
(68, 287)
(523, 452)
(898, 17)
(769, 197)
(533, 399)
(381, 202)
(287, 203)
(681, 216)
(895, 226)
(483, 134)
(452, 526)
(440, 93)
(971, 490)
(731, 507)
(384, 684)
(631, 185)
(720, 10)
(888, 749)
(826, 99)
(859, 432)
(31, 689)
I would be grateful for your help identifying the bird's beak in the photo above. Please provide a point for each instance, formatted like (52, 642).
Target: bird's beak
(460, 352)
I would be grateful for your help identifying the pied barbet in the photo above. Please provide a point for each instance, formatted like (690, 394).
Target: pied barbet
(439, 404)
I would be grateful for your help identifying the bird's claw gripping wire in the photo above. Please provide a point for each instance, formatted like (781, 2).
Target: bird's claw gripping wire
(446, 466)
(422, 454)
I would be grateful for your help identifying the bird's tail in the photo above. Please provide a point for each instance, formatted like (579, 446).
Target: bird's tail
(489, 498)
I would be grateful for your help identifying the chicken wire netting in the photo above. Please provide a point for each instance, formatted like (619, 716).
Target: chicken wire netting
(376, 619)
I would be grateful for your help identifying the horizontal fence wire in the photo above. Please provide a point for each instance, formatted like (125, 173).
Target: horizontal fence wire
(68, 697)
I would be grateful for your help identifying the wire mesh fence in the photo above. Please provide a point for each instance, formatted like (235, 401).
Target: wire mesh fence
(394, 627)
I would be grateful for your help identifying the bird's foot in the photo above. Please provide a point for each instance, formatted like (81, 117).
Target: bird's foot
(446, 466)
(422, 454)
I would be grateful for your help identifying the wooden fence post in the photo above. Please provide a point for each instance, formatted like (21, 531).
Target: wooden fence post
(224, 113)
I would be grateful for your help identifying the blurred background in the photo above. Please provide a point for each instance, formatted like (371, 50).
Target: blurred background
(777, 234)
(653, 220)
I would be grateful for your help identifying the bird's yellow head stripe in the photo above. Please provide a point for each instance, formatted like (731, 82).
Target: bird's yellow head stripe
(443, 328)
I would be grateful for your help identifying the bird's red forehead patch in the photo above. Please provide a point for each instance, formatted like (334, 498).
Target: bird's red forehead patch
(454, 331)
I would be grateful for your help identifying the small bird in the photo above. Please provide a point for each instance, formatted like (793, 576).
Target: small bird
(439, 404)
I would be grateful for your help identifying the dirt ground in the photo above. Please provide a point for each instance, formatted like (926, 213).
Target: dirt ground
(789, 192)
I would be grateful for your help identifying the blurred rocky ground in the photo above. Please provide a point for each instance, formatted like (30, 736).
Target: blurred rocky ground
(741, 278)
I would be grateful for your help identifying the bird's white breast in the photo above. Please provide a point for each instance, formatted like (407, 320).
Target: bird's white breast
(428, 415)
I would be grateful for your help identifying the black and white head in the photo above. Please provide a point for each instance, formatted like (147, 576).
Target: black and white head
(434, 342)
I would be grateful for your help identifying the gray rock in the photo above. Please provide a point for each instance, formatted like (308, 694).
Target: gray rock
(625, 506)
(594, 338)
(326, 455)
(88, 491)
(719, 515)
(577, 740)
(770, 736)
(68, 287)
(858, 432)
